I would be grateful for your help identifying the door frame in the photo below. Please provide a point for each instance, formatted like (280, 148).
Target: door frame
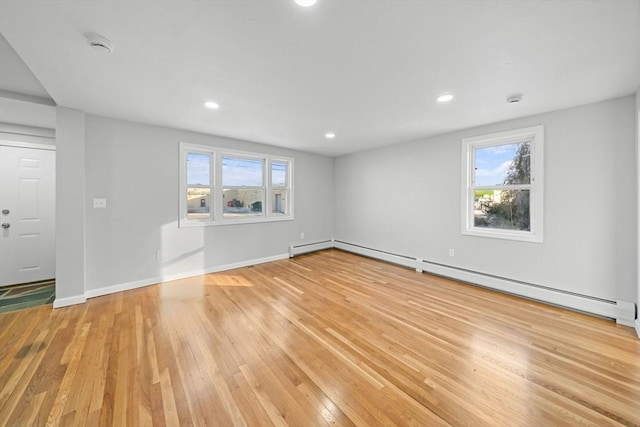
(9, 143)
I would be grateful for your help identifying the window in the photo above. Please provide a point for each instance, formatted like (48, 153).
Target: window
(503, 185)
(242, 187)
(279, 187)
(219, 186)
(198, 185)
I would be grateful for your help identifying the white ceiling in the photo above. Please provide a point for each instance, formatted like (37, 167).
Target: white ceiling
(369, 71)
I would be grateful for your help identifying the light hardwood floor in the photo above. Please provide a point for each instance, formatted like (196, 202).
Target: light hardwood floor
(324, 339)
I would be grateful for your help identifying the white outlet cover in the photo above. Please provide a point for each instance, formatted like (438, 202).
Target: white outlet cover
(99, 203)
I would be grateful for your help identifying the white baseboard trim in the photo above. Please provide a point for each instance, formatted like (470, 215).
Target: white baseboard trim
(92, 293)
(405, 261)
(64, 302)
(120, 287)
(309, 247)
(622, 311)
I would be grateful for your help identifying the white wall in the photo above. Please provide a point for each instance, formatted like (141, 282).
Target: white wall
(135, 167)
(70, 206)
(406, 199)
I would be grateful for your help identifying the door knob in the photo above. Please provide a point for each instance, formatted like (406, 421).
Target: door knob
(6, 225)
(5, 211)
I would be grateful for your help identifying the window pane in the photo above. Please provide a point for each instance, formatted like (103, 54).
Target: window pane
(503, 209)
(503, 164)
(198, 169)
(198, 203)
(242, 172)
(279, 174)
(242, 202)
(279, 201)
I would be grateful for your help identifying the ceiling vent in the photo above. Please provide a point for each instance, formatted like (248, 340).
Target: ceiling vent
(98, 42)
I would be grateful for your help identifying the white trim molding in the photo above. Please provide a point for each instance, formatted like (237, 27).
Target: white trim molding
(309, 247)
(91, 293)
(21, 144)
(65, 302)
(25, 130)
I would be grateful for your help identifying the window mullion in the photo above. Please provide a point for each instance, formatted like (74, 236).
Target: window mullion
(218, 187)
(502, 187)
(266, 181)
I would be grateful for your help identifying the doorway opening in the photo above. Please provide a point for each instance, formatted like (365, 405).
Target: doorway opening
(27, 220)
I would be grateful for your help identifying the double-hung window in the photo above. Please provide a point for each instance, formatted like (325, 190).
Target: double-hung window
(220, 186)
(243, 186)
(503, 185)
(199, 184)
(280, 187)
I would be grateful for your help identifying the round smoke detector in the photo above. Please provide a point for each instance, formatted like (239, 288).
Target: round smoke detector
(98, 42)
(514, 99)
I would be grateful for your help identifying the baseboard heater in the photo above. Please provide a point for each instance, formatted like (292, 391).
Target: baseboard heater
(624, 312)
(309, 247)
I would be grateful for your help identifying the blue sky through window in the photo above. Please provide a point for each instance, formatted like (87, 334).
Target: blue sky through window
(492, 163)
(198, 169)
(278, 174)
(242, 172)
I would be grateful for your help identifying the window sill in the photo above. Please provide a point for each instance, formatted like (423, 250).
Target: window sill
(232, 221)
(522, 236)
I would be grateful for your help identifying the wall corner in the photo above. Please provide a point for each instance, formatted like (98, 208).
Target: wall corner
(70, 206)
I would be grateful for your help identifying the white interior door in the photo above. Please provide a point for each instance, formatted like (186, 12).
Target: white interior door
(27, 215)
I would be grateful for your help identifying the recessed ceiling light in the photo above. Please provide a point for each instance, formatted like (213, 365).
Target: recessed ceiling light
(329, 135)
(306, 3)
(445, 98)
(212, 105)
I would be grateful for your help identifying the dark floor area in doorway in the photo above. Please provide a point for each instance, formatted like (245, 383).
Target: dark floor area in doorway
(17, 297)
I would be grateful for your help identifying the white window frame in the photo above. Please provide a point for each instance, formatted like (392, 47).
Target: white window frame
(287, 186)
(242, 156)
(535, 136)
(189, 148)
(217, 218)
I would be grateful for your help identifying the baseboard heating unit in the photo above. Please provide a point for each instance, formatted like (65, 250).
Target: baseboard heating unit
(624, 312)
(309, 247)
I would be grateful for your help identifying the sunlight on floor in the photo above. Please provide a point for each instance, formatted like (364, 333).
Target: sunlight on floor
(233, 280)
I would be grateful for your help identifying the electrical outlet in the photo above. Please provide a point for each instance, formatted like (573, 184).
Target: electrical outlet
(452, 252)
(302, 235)
(158, 253)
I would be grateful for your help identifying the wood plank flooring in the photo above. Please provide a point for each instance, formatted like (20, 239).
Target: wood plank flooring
(328, 338)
